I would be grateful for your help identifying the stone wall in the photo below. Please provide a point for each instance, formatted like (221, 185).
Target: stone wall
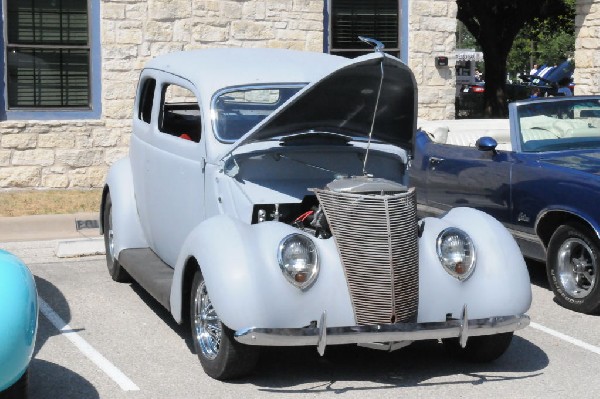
(587, 47)
(432, 33)
(77, 154)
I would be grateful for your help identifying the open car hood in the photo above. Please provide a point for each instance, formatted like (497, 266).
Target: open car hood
(344, 102)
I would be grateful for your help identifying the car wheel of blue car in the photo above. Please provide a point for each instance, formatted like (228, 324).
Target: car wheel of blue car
(221, 356)
(115, 270)
(479, 349)
(18, 390)
(572, 267)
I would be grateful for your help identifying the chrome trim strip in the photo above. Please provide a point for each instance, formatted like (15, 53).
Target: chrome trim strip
(525, 236)
(310, 336)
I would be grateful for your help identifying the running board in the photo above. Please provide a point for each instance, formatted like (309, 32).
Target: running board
(154, 275)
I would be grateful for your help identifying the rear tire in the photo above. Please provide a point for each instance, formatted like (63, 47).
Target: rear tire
(221, 356)
(572, 266)
(18, 390)
(116, 271)
(479, 349)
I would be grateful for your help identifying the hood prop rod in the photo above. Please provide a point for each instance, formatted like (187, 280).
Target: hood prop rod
(374, 116)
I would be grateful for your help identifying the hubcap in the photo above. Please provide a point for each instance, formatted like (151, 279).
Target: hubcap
(207, 325)
(576, 268)
(111, 244)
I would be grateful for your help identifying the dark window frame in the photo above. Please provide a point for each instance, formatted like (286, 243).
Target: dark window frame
(93, 108)
(333, 28)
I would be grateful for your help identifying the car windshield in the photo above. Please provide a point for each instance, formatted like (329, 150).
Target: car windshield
(235, 111)
(554, 125)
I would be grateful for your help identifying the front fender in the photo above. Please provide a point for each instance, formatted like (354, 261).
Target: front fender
(127, 228)
(18, 318)
(500, 284)
(245, 283)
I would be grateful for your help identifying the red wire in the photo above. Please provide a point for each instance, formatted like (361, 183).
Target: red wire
(302, 217)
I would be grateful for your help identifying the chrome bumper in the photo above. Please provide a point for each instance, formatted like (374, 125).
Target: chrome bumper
(321, 336)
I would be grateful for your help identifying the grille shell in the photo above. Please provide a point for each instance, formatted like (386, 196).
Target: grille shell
(376, 236)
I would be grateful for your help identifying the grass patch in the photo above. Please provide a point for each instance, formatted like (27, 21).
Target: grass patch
(47, 202)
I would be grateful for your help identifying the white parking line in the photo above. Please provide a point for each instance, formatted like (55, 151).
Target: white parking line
(566, 338)
(104, 364)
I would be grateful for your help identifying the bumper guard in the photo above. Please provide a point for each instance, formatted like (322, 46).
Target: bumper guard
(321, 336)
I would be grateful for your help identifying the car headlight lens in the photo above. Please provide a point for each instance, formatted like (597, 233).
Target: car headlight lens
(298, 260)
(456, 252)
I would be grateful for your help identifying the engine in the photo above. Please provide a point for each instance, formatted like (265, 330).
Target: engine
(310, 216)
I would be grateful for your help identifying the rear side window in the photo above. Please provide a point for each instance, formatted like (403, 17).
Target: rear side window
(146, 100)
(180, 113)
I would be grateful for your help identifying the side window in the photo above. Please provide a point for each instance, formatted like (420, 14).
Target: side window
(179, 113)
(146, 100)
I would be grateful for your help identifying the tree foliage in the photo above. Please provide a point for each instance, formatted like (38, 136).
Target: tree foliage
(548, 41)
(495, 25)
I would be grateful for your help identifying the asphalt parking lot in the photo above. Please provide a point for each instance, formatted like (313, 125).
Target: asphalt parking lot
(101, 339)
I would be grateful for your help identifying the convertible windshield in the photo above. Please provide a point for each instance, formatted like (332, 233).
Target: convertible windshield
(237, 110)
(561, 124)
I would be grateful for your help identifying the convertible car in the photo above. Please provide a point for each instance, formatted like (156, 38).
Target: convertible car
(265, 200)
(537, 173)
(18, 325)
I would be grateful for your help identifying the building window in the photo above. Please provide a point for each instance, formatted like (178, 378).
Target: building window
(377, 19)
(47, 54)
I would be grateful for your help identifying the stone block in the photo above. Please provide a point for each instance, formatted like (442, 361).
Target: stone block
(248, 30)
(55, 180)
(5, 157)
(169, 10)
(42, 157)
(79, 158)
(92, 178)
(158, 31)
(20, 177)
(19, 141)
(56, 140)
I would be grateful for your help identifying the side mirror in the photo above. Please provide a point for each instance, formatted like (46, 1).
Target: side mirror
(486, 144)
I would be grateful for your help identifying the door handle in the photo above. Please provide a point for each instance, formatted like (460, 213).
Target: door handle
(434, 161)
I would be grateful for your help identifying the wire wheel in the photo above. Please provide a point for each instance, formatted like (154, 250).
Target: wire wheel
(207, 326)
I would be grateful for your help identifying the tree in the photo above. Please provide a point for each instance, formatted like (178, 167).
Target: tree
(495, 24)
(549, 42)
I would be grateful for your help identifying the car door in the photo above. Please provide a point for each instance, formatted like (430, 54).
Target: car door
(465, 176)
(174, 169)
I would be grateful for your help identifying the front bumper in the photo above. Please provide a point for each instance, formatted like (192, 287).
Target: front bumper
(321, 336)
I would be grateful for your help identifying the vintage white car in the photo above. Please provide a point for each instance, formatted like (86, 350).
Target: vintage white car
(265, 201)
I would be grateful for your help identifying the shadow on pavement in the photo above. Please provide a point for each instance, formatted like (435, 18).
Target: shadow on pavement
(47, 379)
(289, 369)
(282, 370)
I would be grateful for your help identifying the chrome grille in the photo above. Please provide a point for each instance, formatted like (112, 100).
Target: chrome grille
(376, 236)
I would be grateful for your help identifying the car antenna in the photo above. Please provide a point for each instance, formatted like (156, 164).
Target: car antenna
(378, 48)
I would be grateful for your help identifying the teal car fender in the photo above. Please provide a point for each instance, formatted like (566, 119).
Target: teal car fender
(18, 318)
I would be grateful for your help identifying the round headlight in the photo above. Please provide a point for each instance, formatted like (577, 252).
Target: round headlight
(456, 252)
(298, 260)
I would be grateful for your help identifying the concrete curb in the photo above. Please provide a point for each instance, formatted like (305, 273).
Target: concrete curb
(78, 248)
(48, 227)
(74, 235)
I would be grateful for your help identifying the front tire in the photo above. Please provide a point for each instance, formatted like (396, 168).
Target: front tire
(221, 356)
(572, 267)
(116, 271)
(479, 349)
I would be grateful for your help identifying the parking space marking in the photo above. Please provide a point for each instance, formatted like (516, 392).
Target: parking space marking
(566, 338)
(103, 363)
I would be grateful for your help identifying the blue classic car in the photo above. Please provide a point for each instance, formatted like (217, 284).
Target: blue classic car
(537, 172)
(18, 325)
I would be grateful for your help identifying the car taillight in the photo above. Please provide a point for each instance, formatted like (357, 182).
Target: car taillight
(478, 89)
